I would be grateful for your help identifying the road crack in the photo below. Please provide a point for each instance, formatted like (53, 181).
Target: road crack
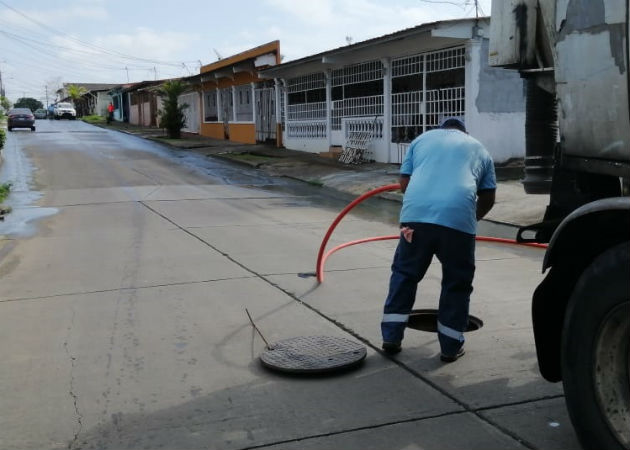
(75, 398)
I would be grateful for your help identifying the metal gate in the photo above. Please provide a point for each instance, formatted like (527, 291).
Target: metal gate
(191, 113)
(227, 110)
(265, 114)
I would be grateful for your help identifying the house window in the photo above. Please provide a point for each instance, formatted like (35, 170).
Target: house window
(306, 97)
(227, 107)
(357, 91)
(426, 88)
(210, 110)
(244, 111)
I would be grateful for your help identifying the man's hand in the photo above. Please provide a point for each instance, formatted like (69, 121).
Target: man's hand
(485, 202)
(404, 181)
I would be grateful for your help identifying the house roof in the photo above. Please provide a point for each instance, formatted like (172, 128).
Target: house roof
(270, 47)
(93, 87)
(395, 36)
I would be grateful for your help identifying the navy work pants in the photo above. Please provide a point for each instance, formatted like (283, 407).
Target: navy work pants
(456, 252)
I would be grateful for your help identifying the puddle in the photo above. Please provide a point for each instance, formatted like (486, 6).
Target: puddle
(18, 170)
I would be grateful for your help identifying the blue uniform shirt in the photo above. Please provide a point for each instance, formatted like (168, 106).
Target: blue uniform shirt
(447, 169)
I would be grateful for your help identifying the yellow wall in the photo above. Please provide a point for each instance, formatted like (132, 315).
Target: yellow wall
(213, 130)
(239, 132)
(243, 132)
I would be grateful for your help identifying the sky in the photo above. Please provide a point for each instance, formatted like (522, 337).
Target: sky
(45, 43)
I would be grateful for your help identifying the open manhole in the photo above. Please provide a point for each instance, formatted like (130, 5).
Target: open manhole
(308, 355)
(426, 320)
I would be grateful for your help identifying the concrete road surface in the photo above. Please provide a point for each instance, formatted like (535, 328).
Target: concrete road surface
(125, 271)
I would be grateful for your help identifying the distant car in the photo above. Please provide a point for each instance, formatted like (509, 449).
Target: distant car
(21, 118)
(40, 113)
(65, 111)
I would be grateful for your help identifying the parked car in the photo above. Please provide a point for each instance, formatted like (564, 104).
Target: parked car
(21, 118)
(40, 113)
(65, 110)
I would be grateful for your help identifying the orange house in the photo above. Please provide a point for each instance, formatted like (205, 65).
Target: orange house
(238, 105)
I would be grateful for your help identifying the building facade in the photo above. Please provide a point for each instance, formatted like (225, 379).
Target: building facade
(236, 103)
(398, 86)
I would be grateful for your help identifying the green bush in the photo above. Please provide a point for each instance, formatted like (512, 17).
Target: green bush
(94, 119)
(172, 114)
(3, 137)
(5, 189)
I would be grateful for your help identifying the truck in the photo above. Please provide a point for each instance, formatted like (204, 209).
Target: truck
(573, 57)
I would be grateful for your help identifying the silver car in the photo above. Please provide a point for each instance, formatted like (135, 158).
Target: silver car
(21, 118)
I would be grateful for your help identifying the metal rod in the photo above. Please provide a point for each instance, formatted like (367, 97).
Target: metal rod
(256, 328)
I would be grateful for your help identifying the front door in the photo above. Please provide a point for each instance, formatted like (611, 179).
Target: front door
(265, 114)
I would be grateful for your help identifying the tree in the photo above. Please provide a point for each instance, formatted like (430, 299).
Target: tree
(172, 116)
(76, 93)
(5, 103)
(28, 102)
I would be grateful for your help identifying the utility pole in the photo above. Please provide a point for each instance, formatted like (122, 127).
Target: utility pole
(155, 72)
(127, 73)
(46, 86)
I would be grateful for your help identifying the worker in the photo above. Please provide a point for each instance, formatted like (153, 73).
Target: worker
(448, 182)
(110, 112)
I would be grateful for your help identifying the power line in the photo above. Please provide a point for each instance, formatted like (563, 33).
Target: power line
(89, 45)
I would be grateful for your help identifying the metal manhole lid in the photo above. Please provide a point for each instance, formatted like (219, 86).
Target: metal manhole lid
(313, 354)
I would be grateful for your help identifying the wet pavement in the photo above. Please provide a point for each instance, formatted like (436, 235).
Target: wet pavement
(123, 324)
(513, 206)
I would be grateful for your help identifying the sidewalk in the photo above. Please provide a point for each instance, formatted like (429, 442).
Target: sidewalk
(513, 206)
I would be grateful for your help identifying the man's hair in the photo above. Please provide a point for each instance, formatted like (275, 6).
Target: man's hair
(454, 122)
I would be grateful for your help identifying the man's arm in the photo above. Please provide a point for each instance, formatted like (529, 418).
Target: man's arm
(485, 202)
(404, 181)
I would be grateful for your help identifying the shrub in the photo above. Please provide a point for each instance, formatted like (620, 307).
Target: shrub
(172, 116)
(5, 189)
(3, 137)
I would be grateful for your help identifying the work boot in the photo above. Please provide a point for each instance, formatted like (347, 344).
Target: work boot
(452, 358)
(391, 348)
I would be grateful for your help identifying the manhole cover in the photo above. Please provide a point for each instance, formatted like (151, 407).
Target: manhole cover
(313, 355)
(426, 320)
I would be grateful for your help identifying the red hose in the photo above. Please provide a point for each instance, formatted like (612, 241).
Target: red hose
(321, 257)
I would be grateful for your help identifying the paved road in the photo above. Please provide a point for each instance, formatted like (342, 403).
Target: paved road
(123, 325)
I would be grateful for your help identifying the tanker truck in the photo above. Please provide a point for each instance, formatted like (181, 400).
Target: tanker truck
(573, 57)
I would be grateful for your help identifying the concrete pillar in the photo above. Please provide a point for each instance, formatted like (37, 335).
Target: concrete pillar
(219, 105)
(387, 105)
(328, 76)
(233, 103)
(253, 102)
(278, 111)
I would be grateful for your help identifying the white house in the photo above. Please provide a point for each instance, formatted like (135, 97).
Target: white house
(398, 86)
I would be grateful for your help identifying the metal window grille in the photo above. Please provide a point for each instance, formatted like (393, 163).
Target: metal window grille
(358, 73)
(307, 111)
(244, 108)
(307, 130)
(407, 109)
(227, 104)
(210, 106)
(282, 105)
(451, 58)
(407, 66)
(306, 83)
(442, 103)
(416, 111)
(356, 107)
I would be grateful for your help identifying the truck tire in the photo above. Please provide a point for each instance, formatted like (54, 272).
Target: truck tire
(596, 352)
